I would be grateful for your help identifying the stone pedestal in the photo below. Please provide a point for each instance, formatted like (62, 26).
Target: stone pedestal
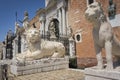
(41, 65)
(93, 74)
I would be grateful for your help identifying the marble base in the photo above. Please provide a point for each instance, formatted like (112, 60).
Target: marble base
(41, 65)
(93, 74)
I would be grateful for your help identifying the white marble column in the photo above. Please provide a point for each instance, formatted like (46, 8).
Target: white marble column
(71, 47)
(15, 46)
(22, 45)
(63, 21)
(44, 28)
(60, 20)
(41, 27)
(4, 52)
(42, 21)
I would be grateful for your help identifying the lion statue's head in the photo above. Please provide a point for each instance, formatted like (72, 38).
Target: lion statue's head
(94, 12)
(33, 35)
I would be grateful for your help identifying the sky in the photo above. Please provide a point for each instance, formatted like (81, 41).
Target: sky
(8, 9)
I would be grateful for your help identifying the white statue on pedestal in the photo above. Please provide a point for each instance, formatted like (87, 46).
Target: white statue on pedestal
(103, 35)
(38, 49)
(26, 21)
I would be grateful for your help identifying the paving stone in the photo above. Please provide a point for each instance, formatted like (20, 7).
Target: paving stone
(64, 74)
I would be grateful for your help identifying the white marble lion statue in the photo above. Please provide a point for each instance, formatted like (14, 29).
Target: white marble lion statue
(103, 35)
(38, 49)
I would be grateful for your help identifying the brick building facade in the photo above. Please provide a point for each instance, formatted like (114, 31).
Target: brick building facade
(82, 29)
(34, 22)
(70, 14)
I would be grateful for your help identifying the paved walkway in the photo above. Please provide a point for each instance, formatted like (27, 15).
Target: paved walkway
(65, 74)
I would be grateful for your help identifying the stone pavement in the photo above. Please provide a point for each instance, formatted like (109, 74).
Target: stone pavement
(64, 74)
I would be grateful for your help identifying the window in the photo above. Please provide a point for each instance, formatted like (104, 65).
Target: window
(78, 37)
(111, 9)
(90, 2)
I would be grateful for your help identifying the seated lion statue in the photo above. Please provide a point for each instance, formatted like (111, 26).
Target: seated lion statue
(38, 49)
(103, 35)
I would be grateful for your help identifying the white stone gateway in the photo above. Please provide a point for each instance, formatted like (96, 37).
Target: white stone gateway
(103, 38)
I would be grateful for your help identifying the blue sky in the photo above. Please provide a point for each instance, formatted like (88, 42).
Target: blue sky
(8, 8)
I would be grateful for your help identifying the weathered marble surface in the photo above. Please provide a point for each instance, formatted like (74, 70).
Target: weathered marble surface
(38, 49)
(93, 74)
(42, 65)
(103, 35)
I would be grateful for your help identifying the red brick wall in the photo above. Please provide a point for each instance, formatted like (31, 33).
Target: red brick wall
(105, 4)
(117, 2)
(85, 48)
(36, 21)
(76, 19)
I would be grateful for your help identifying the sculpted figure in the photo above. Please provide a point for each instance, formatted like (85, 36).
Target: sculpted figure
(26, 26)
(52, 29)
(103, 35)
(39, 49)
(19, 30)
(70, 31)
(26, 21)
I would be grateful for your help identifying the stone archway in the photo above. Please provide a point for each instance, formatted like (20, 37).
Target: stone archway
(54, 29)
